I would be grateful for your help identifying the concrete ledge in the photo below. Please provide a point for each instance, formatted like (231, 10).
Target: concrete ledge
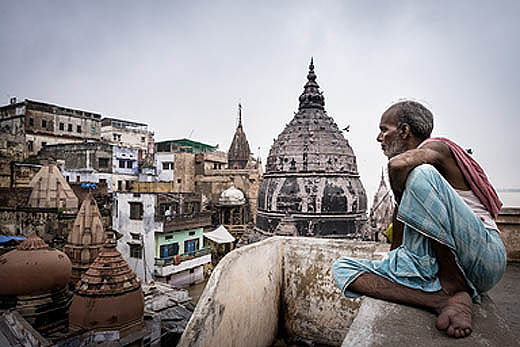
(381, 323)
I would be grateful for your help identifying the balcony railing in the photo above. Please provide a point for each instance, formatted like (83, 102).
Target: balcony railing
(171, 260)
(183, 222)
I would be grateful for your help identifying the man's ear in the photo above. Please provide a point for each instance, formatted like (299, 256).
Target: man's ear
(405, 131)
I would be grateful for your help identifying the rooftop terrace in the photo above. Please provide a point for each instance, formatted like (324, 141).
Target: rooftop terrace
(282, 288)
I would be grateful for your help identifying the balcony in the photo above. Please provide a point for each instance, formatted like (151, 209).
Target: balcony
(168, 266)
(185, 222)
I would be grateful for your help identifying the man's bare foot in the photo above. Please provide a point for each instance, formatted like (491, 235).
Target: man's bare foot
(455, 315)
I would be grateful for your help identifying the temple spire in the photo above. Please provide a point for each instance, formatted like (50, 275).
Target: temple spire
(239, 115)
(311, 96)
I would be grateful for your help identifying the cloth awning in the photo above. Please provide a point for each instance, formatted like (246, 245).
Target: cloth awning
(220, 235)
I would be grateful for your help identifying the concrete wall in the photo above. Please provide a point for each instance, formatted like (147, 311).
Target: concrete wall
(313, 306)
(164, 175)
(126, 155)
(279, 282)
(146, 228)
(241, 302)
(184, 172)
(508, 222)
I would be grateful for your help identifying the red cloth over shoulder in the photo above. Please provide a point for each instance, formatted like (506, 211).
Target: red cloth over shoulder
(474, 175)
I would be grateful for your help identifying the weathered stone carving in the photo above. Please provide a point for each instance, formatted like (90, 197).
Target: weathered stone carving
(311, 173)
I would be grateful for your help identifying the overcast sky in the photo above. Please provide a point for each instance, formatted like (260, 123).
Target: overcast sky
(182, 67)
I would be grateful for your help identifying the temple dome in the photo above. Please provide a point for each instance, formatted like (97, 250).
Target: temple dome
(34, 281)
(232, 197)
(311, 173)
(109, 295)
(33, 268)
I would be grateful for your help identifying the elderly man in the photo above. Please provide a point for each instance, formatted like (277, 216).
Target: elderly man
(446, 248)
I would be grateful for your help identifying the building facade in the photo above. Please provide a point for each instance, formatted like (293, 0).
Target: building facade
(43, 124)
(95, 162)
(128, 134)
(161, 235)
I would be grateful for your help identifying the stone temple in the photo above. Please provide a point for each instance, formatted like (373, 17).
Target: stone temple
(311, 175)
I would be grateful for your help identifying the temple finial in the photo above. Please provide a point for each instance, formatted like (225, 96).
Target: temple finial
(239, 114)
(311, 65)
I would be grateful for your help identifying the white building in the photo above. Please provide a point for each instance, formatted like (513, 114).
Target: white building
(160, 240)
(128, 134)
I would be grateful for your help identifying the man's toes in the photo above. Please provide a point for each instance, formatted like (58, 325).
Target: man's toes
(450, 331)
(443, 321)
(467, 331)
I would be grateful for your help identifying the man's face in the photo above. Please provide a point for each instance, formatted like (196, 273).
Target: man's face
(391, 143)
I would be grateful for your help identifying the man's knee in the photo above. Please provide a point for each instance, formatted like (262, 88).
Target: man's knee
(425, 170)
(424, 175)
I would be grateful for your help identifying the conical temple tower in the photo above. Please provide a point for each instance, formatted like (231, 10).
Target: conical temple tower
(381, 211)
(108, 296)
(86, 239)
(239, 151)
(51, 190)
(311, 174)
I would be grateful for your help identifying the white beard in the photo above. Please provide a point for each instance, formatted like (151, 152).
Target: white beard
(396, 147)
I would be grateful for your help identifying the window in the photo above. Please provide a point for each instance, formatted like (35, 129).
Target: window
(128, 185)
(192, 233)
(136, 251)
(121, 164)
(31, 121)
(142, 139)
(69, 127)
(102, 181)
(136, 210)
(44, 123)
(191, 246)
(179, 181)
(78, 128)
(44, 143)
(169, 250)
(215, 166)
(30, 145)
(93, 130)
(62, 126)
(103, 162)
(129, 164)
(119, 185)
(67, 178)
(117, 137)
(135, 237)
(163, 147)
(167, 165)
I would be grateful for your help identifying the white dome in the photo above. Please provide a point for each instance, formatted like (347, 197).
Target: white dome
(232, 196)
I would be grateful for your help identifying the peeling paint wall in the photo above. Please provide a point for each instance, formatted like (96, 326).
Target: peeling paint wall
(240, 303)
(313, 306)
(281, 282)
(145, 228)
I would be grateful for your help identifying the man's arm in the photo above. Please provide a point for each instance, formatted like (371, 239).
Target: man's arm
(397, 230)
(400, 166)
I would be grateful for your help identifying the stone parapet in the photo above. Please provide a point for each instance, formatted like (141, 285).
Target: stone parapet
(508, 222)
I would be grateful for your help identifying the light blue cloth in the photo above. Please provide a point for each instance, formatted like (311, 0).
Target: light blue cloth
(431, 209)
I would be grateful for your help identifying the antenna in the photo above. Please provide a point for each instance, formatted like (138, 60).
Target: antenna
(191, 133)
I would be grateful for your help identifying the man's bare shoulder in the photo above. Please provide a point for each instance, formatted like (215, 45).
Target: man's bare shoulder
(439, 150)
